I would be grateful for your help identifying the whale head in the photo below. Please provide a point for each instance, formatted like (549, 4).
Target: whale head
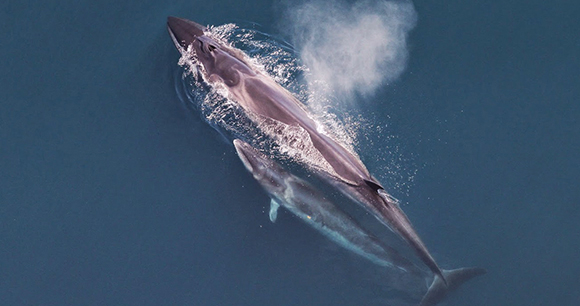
(219, 61)
(267, 172)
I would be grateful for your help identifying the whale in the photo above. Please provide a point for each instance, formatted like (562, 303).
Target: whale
(310, 205)
(259, 95)
(307, 203)
(263, 99)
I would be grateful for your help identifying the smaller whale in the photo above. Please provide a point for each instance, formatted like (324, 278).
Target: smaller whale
(308, 204)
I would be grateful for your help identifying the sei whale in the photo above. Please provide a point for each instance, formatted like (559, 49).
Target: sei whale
(261, 97)
(308, 204)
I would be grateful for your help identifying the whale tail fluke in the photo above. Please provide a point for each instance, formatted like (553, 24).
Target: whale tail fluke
(438, 290)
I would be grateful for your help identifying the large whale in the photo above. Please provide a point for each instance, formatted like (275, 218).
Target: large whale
(309, 204)
(260, 96)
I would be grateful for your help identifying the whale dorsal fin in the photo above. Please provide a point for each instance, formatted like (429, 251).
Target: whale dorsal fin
(376, 187)
(274, 210)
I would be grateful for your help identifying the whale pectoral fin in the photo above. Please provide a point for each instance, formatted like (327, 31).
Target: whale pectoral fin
(274, 210)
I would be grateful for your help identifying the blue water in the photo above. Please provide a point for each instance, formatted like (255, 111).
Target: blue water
(113, 193)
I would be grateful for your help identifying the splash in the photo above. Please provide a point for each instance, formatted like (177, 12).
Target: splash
(351, 48)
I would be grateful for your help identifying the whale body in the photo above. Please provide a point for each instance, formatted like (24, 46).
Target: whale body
(260, 96)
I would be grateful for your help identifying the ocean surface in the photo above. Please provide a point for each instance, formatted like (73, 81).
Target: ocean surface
(114, 192)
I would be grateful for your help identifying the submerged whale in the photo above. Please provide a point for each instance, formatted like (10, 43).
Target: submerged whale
(260, 96)
(308, 204)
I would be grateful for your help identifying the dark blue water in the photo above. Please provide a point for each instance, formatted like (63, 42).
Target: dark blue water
(113, 193)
